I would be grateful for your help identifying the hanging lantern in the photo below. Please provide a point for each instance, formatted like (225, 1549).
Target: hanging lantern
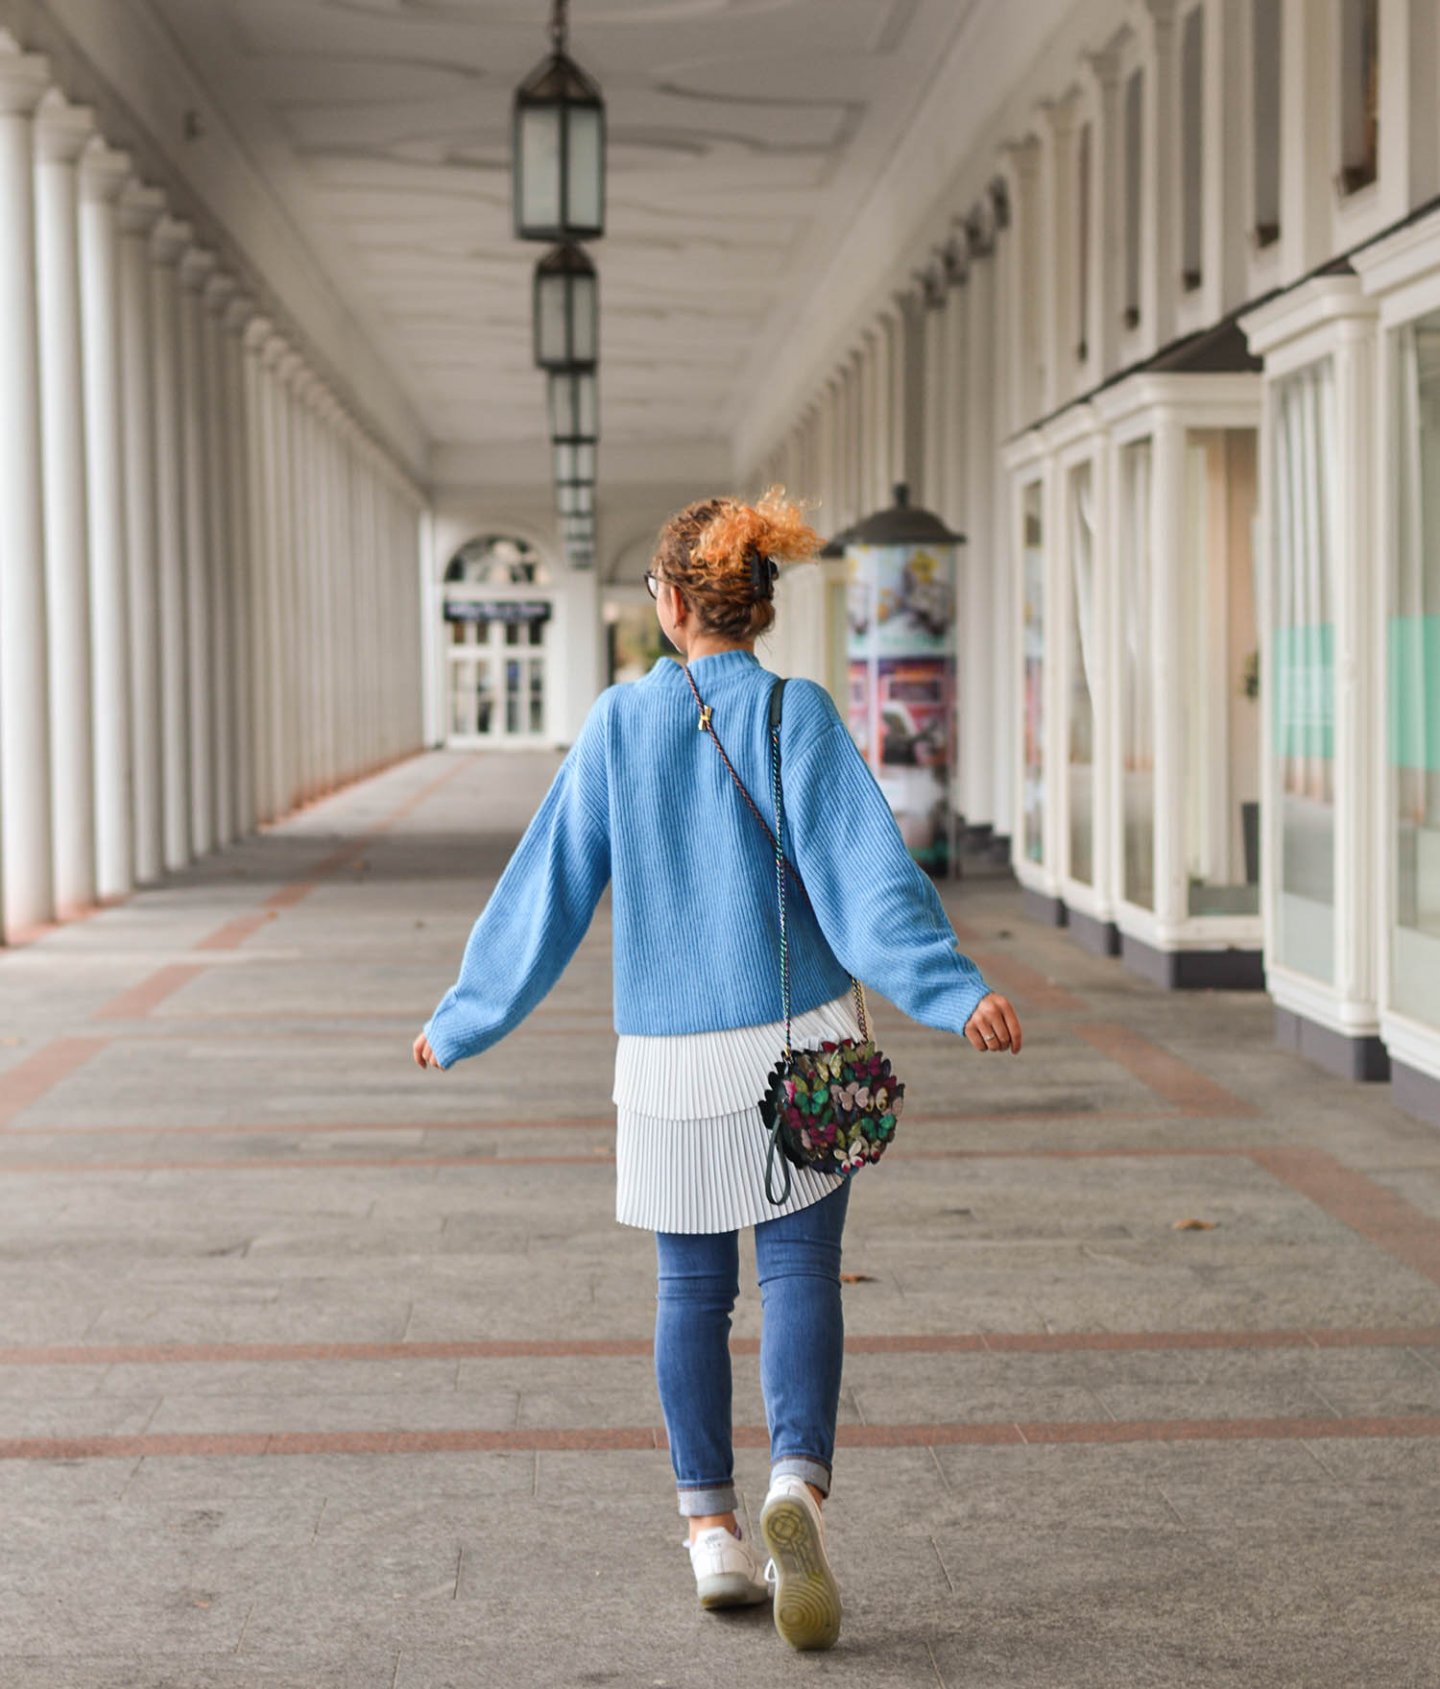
(575, 498)
(580, 556)
(578, 529)
(559, 148)
(574, 462)
(574, 407)
(567, 310)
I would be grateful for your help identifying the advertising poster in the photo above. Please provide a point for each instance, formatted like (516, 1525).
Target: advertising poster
(858, 713)
(900, 608)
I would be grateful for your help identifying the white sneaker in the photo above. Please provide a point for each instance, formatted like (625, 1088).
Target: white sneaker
(726, 1571)
(807, 1598)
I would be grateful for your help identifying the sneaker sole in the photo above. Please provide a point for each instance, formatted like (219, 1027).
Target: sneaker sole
(729, 1589)
(807, 1598)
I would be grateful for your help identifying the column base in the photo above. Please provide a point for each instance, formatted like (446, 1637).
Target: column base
(1364, 1058)
(1039, 906)
(1417, 1093)
(1194, 970)
(1100, 938)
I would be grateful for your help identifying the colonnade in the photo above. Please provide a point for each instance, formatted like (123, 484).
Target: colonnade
(208, 569)
(924, 398)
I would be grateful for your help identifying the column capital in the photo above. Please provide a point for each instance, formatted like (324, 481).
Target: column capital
(24, 81)
(61, 130)
(220, 289)
(104, 171)
(954, 269)
(170, 239)
(239, 313)
(196, 268)
(257, 334)
(290, 364)
(1060, 112)
(979, 227)
(1104, 62)
(274, 347)
(141, 209)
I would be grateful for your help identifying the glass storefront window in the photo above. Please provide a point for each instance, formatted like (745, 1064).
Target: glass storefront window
(1083, 656)
(1033, 658)
(1302, 683)
(1137, 684)
(1414, 679)
(1220, 675)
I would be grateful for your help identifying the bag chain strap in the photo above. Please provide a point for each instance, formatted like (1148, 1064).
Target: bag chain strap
(705, 726)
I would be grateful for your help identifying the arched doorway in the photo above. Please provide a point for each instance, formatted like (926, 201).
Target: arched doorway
(497, 610)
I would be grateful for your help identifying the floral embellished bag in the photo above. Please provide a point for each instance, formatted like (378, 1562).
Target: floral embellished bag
(832, 1109)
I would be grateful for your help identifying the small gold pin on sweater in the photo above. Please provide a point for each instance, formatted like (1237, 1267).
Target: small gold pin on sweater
(704, 720)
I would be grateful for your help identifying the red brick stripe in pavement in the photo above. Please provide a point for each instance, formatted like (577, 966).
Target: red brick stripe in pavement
(1402, 1230)
(1018, 979)
(31, 1078)
(596, 1438)
(140, 999)
(921, 1343)
(1164, 1072)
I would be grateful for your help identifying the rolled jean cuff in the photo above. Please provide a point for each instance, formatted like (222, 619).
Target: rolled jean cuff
(804, 1466)
(697, 1501)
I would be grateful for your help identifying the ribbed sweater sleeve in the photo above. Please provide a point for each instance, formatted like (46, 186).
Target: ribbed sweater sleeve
(540, 909)
(877, 907)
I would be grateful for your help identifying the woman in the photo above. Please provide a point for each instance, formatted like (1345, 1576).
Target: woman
(643, 800)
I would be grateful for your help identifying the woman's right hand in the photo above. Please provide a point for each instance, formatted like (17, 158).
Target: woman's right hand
(994, 1025)
(424, 1055)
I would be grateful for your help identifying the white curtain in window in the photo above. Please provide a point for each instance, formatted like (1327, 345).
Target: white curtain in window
(1135, 612)
(1306, 519)
(1082, 568)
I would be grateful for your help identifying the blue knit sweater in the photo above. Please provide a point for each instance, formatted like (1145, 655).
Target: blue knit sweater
(642, 801)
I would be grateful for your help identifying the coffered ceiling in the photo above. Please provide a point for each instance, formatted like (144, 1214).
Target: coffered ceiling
(743, 136)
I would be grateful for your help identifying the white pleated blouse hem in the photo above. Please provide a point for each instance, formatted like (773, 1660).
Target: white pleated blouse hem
(690, 1143)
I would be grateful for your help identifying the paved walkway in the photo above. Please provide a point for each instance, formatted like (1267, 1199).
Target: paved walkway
(325, 1373)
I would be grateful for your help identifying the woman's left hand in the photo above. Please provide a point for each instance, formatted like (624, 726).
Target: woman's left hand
(994, 1025)
(424, 1055)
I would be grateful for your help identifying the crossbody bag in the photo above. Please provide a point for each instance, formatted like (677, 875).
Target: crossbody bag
(833, 1108)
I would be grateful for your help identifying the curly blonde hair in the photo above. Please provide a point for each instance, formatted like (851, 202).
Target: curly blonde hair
(706, 552)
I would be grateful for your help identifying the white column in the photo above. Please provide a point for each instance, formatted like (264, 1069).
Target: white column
(1167, 507)
(25, 833)
(1160, 257)
(977, 560)
(61, 132)
(1102, 331)
(954, 502)
(103, 173)
(272, 631)
(1004, 680)
(219, 291)
(261, 679)
(331, 587)
(237, 505)
(140, 210)
(167, 244)
(195, 270)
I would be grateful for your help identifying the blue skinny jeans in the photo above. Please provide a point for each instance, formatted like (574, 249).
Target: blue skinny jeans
(797, 1261)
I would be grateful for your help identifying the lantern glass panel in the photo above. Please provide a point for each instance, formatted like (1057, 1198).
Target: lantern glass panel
(539, 155)
(586, 141)
(552, 333)
(574, 406)
(574, 462)
(576, 499)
